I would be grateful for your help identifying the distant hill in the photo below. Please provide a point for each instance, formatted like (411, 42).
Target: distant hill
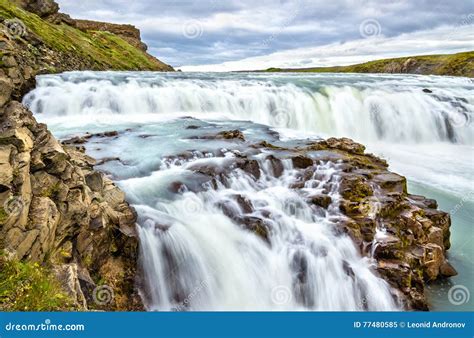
(460, 64)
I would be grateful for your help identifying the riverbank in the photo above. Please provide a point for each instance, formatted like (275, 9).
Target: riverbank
(459, 64)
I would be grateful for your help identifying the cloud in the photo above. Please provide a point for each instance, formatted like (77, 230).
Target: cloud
(441, 40)
(214, 32)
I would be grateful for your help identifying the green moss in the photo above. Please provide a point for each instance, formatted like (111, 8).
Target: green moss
(102, 49)
(270, 146)
(87, 260)
(261, 231)
(3, 215)
(51, 191)
(26, 286)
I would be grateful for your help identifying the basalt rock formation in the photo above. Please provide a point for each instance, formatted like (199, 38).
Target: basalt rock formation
(55, 209)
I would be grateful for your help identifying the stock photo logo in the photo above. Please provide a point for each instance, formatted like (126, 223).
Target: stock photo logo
(281, 295)
(103, 295)
(193, 29)
(13, 206)
(459, 118)
(15, 28)
(459, 295)
(281, 117)
(370, 28)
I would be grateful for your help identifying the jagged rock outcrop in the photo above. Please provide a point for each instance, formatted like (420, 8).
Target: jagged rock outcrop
(55, 209)
(128, 32)
(404, 233)
(42, 8)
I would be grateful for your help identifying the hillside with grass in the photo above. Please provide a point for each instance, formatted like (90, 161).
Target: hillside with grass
(460, 64)
(37, 29)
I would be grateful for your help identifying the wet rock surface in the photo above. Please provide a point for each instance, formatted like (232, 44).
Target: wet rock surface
(404, 234)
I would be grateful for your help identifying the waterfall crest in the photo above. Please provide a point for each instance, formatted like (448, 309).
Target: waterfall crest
(365, 108)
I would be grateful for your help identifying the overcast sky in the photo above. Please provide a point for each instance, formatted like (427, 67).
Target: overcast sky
(255, 34)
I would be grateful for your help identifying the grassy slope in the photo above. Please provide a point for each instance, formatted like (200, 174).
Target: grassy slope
(460, 64)
(108, 51)
(26, 286)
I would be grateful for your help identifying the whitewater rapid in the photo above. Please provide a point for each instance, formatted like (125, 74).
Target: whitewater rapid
(366, 108)
(194, 256)
(202, 261)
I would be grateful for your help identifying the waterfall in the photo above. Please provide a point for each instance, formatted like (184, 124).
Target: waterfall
(196, 258)
(365, 108)
(195, 253)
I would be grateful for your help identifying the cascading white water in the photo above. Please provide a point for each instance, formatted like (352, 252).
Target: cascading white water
(366, 108)
(195, 256)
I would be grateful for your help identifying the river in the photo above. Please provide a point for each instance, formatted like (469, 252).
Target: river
(194, 257)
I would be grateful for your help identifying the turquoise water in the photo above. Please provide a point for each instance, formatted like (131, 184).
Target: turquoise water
(462, 247)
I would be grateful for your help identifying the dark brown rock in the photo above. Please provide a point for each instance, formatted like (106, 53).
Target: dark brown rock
(302, 162)
(277, 166)
(255, 225)
(447, 270)
(250, 167)
(42, 8)
(321, 200)
(230, 135)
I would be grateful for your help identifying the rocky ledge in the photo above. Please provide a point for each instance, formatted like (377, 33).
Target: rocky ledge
(57, 214)
(405, 235)
(57, 210)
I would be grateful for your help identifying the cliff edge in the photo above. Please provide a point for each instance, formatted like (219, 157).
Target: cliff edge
(67, 235)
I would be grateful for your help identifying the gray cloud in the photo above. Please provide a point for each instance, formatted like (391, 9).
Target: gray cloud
(188, 32)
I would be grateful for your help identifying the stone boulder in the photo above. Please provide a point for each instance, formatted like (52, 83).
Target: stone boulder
(42, 8)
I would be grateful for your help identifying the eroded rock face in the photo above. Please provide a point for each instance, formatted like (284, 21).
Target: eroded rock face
(128, 32)
(55, 208)
(42, 8)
